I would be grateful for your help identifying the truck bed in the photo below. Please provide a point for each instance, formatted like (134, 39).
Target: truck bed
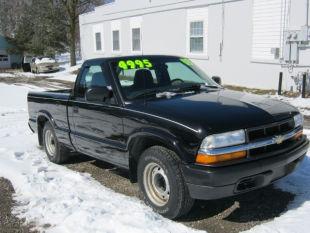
(52, 105)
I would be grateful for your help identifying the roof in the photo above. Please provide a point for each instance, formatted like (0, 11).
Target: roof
(111, 59)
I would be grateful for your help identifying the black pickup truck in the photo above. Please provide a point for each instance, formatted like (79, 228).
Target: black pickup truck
(180, 134)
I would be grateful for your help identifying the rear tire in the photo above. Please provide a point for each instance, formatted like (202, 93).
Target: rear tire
(56, 152)
(161, 181)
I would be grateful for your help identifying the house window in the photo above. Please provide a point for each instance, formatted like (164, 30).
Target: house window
(116, 40)
(98, 41)
(98, 38)
(136, 39)
(196, 37)
(4, 58)
(270, 19)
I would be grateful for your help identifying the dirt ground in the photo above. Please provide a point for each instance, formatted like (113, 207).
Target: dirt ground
(8, 222)
(39, 81)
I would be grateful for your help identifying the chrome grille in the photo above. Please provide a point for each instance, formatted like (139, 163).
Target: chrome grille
(270, 130)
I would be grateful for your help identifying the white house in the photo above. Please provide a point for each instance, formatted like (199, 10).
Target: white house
(243, 41)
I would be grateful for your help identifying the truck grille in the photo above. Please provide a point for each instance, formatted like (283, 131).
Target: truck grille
(268, 131)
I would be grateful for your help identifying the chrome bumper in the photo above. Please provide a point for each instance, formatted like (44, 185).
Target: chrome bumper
(253, 145)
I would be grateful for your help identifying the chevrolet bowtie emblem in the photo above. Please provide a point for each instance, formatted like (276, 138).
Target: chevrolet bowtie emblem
(278, 139)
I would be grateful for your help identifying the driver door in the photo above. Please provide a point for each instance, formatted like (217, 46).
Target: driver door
(97, 126)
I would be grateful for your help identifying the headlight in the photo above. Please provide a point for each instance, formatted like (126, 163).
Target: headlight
(299, 120)
(223, 140)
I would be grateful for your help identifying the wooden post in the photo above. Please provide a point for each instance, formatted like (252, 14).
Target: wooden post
(280, 83)
(304, 84)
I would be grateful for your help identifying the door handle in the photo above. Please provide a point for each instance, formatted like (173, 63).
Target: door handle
(75, 109)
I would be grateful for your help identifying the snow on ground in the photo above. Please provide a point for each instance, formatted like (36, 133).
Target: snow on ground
(66, 72)
(52, 195)
(16, 74)
(302, 104)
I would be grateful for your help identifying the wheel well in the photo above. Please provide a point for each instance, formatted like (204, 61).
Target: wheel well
(41, 122)
(139, 145)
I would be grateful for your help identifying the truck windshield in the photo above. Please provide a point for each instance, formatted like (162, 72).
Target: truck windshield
(140, 76)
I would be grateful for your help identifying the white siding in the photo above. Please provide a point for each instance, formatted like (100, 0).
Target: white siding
(269, 22)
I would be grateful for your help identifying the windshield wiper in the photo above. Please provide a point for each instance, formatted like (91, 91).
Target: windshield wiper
(145, 94)
(191, 87)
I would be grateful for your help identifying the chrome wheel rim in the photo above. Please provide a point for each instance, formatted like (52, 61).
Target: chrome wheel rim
(156, 184)
(50, 143)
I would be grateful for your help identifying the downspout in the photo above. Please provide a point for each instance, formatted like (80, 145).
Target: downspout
(307, 12)
(307, 18)
(223, 31)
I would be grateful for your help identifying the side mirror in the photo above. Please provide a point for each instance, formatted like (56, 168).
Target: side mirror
(98, 94)
(217, 79)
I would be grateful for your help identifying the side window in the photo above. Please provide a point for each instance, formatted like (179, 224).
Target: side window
(92, 77)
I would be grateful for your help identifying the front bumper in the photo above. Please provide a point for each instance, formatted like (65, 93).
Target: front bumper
(208, 183)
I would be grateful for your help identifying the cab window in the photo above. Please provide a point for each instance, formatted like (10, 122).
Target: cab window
(92, 77)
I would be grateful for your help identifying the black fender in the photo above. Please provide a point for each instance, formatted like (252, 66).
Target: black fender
(167, 139)
(48, 116)
(155, 136)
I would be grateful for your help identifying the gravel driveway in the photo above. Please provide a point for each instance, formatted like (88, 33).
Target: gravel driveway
(222, 216)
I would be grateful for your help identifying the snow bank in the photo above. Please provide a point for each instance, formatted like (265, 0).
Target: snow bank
(55, 198)
(45, 60)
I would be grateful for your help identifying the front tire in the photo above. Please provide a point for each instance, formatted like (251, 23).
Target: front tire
(56, 152)
(161, 181)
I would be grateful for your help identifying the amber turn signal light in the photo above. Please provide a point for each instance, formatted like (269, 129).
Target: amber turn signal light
(213, 159)
(298, 135)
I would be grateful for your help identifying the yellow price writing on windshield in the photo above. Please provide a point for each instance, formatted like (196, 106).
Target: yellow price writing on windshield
(135, 64)
(186, 61)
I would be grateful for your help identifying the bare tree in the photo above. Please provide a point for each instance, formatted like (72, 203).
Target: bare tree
(11, 13)
(72, 9)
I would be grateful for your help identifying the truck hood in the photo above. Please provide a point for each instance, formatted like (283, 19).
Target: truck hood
(219, 111)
